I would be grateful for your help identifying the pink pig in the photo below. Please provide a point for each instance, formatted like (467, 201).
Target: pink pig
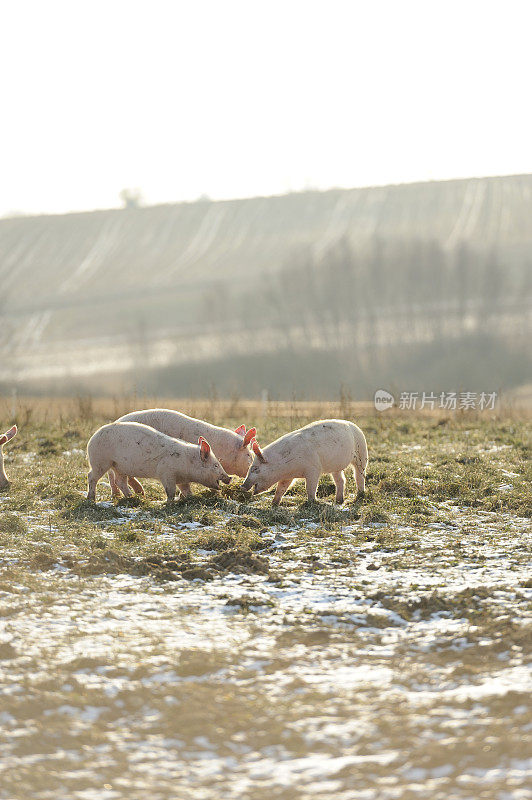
(129, 448)
(230, 447)
(329, 445)
(5, 437)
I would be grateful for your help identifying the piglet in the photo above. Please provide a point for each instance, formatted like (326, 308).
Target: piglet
(329, 445)
(230, 447)
(5, 437)
(130, 448)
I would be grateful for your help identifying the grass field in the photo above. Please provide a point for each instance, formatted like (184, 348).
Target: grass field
(217, 647)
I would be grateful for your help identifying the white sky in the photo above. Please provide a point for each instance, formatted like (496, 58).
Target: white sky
(235, 99)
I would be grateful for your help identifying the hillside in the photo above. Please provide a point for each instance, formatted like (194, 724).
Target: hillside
(102, 290)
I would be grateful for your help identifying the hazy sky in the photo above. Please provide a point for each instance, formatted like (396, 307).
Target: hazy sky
(234, 99)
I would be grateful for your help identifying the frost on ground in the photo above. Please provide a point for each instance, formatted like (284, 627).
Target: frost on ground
(220, 649)
(380, 671)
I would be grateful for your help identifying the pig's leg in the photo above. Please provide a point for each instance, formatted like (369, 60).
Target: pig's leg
(115, 491)
(135, 485)
(4, 483)
(114, 484)
(169, 486)
(312, 479)
(184, 488)
(282, 487)
(339, 482)
(121, 481)
(94, 476)
(360, 479)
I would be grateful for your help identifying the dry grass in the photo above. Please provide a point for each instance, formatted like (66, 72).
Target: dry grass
(27, 410)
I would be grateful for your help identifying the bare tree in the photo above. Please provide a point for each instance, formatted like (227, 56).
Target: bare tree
(131, 198)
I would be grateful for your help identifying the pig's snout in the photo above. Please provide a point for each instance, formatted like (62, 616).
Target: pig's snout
(248, 484)
(225, 478)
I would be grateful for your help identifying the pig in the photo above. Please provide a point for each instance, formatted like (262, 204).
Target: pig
(5, 437)
(230, 447)
(130, 448)
(329, 445)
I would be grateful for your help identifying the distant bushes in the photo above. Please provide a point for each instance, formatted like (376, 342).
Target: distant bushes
(472, 363)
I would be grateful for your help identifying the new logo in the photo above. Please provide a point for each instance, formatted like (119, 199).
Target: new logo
(383, 400)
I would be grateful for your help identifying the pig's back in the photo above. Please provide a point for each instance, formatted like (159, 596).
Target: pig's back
(126, 435)
(328, 443)
(171, 423)
(332, 441)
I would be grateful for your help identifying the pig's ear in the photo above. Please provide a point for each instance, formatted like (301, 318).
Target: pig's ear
(241, 430)
(249, 436)
(258, 452)
(205, 448)
(12, 432)
(5, 437)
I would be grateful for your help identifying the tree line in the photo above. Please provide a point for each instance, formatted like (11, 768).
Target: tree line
(388, 290)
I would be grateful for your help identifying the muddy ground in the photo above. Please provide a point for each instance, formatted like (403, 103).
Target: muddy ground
(218, 648)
